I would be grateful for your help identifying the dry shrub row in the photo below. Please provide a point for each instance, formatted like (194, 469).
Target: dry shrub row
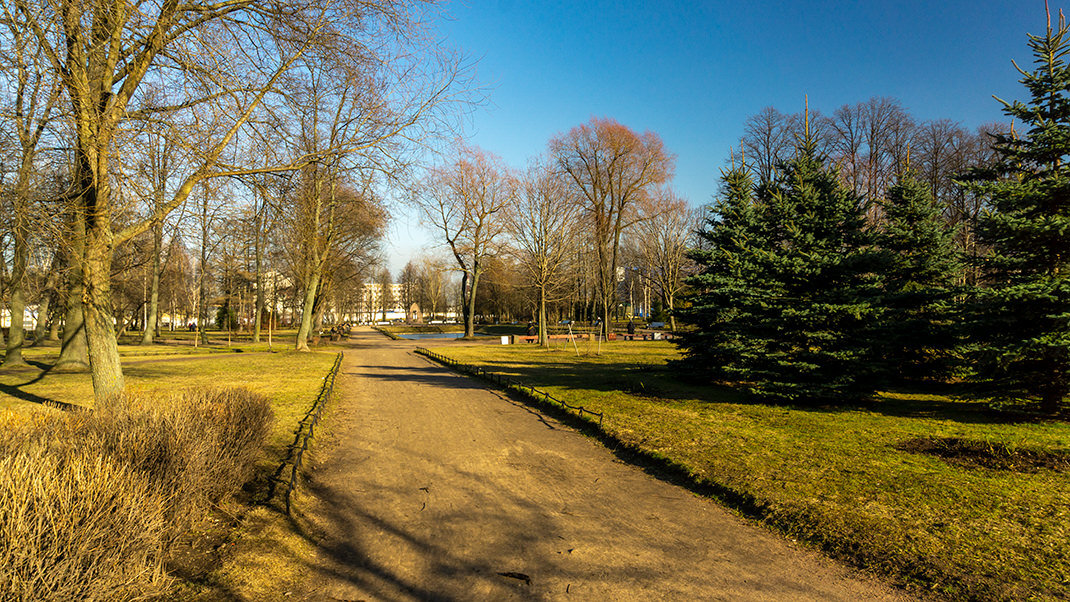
(90, 503)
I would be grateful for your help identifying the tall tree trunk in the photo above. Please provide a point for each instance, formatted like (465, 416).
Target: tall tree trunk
(543, 341)
(202, 310)
(606, 301)
(16, 336)
(307, 310)
(104, 360)
(464, 300)
(470, 318)
(319, 307)
(46, 321)
(1051, 397)
(44, 309)
(74, 350)
(669, 303)
(258, 254)
(54, 322)
(151, 318)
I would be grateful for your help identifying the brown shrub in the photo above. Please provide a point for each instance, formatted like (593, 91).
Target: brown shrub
(89, 503)
(196, 445)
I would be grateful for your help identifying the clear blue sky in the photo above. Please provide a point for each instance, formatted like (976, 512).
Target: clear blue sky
(694, 71)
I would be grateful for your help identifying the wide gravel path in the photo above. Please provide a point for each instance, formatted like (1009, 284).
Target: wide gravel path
(432, 487)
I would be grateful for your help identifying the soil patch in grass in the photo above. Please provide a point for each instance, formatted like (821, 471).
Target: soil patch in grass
(973, 453)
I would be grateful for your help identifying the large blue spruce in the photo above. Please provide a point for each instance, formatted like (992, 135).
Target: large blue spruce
(1021, 330)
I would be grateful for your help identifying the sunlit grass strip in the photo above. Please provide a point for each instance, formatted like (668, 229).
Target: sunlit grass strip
(306, 429)
(386, 333)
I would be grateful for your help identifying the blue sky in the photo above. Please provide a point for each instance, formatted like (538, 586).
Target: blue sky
(694, 71)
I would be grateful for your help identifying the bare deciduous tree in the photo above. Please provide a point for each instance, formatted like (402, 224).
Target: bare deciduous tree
(767, 141)
(543, 223)
(662, 242)
(610, 169)
(222, 59)
(433, 275)
(464, 202)
(29, 112)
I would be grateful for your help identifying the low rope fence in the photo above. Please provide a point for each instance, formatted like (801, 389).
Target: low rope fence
(510, 383)
(306, 429)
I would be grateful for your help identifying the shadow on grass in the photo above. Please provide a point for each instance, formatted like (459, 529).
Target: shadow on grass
(938, 401)
(955, 410)
(16, 392)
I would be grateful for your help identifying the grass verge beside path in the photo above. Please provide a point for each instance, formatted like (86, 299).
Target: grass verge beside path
(289, 379)
(905, 486)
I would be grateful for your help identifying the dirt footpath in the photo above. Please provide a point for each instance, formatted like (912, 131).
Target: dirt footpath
(431, 487)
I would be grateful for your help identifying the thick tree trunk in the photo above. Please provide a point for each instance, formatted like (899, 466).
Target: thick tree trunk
(104, 361)
(74, 351)
(44, 309)
(154, 293)
(16, 336)
(317, 322)
(307, 310)
(464, 300)
(1051, 398)
(53, 325)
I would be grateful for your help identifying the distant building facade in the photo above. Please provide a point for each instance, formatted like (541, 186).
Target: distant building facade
(372, 303)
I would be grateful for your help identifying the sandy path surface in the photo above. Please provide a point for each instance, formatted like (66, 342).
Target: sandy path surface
(431, 487)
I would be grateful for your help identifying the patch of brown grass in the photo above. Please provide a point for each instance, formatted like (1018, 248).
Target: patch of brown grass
(90, 503)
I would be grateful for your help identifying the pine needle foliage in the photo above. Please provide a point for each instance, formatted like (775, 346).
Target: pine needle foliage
(788, 288)
(728, 290)
(916, 337)
(1021, 333)
(820, 259)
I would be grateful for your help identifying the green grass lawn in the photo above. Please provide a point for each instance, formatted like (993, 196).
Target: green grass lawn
(289, 379)
(836, 477)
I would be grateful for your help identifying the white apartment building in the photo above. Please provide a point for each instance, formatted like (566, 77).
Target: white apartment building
(371, 302)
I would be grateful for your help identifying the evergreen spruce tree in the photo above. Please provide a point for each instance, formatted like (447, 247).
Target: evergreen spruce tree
(785, 297)
(820, 267)
(727, 287)
(1021, 337)
(915, 337)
